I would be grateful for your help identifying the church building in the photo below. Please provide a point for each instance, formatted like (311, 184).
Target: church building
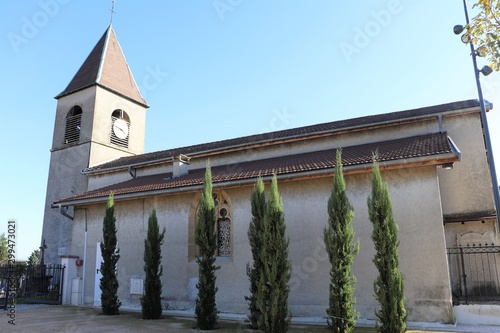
(433, 158)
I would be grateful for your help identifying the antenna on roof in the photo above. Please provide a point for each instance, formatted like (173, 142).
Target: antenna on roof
(112, 10)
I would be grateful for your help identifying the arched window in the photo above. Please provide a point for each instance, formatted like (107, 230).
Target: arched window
(73, 123)
(223, 218)
(120, 126)
(223, 233)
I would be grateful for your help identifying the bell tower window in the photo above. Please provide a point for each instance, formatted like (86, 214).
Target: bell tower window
(73, 123)
(120, 125)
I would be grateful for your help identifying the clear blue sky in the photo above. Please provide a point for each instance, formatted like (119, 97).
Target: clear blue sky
(218, 69)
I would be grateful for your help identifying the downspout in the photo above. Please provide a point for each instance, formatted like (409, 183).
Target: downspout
(132, 172)
(440, 120)
(84, 259)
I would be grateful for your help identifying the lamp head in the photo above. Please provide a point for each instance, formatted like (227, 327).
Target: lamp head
(465, 38)
(447, 166)
(486, 70)
(457, 30)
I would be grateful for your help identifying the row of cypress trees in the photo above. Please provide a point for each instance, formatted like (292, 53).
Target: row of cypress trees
(270, 273)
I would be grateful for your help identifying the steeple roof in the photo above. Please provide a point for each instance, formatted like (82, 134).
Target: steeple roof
(106, 66)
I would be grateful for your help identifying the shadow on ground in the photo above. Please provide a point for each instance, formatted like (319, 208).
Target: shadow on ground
(67, 319)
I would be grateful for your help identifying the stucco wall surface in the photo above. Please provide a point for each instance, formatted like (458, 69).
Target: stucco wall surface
(416, 204)
(467, 188)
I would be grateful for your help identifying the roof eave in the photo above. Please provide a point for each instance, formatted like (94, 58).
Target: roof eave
(66, 93)
(348, 169)
(469, 217)
(143, 104)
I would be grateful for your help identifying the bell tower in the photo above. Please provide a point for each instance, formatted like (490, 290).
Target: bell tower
(100, 116)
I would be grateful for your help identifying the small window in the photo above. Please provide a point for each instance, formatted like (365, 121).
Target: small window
(120, 126)
(73, 123)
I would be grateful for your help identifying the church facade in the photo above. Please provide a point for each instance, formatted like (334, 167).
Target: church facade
(433, 158)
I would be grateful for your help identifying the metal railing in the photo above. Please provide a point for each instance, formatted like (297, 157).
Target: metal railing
(474, 273)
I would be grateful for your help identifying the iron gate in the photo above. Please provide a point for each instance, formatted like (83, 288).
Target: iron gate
(44, 284)
(6, 274)
(474, 273)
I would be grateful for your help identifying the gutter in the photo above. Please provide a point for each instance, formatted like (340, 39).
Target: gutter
(348, 169)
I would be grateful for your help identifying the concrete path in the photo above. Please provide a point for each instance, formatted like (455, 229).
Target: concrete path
(68, 319)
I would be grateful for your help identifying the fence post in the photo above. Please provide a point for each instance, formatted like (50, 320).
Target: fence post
(464, 276)
(61, 283)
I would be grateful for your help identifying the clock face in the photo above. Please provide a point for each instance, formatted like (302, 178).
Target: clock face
(120, 128)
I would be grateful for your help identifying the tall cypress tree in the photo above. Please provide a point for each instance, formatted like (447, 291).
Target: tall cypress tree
(339, 236)
(110, 255)
(258, 202)
(272, 299)
(205, 238)
(151, 302)
(388, 286)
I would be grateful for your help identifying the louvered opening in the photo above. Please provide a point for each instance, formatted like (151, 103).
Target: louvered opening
(73, 123)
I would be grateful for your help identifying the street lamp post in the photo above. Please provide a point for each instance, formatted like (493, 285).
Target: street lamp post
(486, 71)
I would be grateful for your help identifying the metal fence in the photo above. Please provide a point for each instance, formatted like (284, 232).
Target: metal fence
(44, 284)
(474, 273)
(6, 276)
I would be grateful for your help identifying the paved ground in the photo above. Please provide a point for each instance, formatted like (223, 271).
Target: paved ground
(67, 319)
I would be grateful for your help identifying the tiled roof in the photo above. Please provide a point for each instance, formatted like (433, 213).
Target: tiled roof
(305, 131)
(430, 147)
(107, 67)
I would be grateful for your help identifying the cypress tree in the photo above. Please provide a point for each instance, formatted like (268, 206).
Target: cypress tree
(110, 255)
(339, 236)
(272, 299)
(258, 202)
(388, 286)
(151, 302)
(205, 238)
